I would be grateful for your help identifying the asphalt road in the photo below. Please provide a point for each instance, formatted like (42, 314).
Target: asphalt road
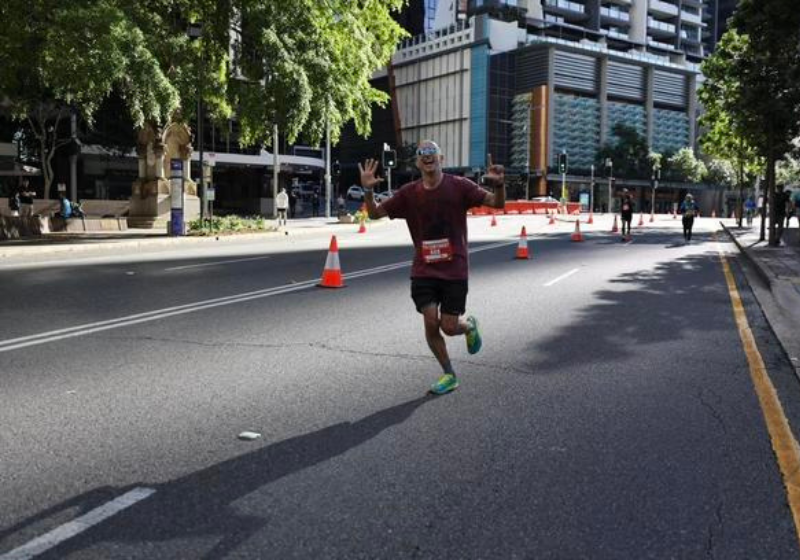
(610, 415)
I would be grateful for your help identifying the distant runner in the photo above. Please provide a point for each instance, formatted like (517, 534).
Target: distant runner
(626, 214)
(689, 210)
(435, 209)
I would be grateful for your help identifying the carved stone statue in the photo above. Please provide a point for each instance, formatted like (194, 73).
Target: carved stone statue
(150, 199)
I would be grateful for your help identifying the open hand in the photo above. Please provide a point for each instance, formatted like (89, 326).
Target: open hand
(368, 177)
(495, 174)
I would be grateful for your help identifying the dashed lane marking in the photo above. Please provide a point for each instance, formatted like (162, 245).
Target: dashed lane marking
(562, 277)
(50, 540)
(155, 315)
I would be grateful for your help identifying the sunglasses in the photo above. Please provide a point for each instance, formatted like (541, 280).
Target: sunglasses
(428, 151)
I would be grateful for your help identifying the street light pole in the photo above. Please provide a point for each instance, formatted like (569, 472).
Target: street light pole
(327, 168)
(610, 165)
(655, 177)
(196, 32)
(591, 192)
(276, 165)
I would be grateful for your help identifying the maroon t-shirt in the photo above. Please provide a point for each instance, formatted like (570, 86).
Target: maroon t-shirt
(435, 217)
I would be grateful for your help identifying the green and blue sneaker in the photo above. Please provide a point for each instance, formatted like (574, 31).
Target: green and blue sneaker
(446, 383)
(474, 341)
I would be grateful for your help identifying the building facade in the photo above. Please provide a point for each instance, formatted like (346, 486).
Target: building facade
(526, 80)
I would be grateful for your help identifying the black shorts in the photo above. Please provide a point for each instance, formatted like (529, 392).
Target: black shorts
(449, 295)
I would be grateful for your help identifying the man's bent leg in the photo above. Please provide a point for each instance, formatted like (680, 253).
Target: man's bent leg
(434, 338)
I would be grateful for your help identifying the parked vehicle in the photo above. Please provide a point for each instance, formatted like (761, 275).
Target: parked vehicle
(381, 197)
(355, 193)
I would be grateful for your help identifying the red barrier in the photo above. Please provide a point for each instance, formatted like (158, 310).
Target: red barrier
(530, 207)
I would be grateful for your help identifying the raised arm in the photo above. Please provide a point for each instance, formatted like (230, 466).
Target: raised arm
(368, 182)
(495, 178)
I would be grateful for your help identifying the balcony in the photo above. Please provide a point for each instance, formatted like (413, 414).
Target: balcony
(661, 27)
(565, 5)
(659, 8)
(660, 45)
(614, 14)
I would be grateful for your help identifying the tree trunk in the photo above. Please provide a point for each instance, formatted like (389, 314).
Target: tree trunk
(772, 239)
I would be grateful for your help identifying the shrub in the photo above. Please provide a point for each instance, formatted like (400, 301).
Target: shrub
(228, 224)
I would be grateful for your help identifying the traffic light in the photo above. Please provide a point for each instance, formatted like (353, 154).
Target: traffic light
(389, 159)
(336, 168)
(562, 163)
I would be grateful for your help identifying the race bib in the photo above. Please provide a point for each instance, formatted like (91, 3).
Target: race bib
(437, 250)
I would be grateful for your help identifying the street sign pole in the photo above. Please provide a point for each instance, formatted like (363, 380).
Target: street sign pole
(176, 197)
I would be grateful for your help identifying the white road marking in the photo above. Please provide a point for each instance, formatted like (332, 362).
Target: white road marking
(42, 544)
(565, 275)
(216, 263)
(89, 328)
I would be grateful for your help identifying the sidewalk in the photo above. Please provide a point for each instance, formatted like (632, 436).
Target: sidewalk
(779, 270)
(60, 243)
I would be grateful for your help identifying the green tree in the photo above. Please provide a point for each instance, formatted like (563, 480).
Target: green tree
(301, 64)
(722, 139)
(754, 74)
(684, 166)
(630, 153)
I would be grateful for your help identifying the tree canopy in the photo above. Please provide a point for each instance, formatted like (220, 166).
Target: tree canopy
(751, 88)
(296, 62)
(630, 153)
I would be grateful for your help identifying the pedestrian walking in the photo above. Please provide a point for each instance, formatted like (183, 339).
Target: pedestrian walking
(689, 210)
(13, 203)
(26, 196)
(315, 203)
(780, 212)
(795, 199)
(626, 213)
(749, 210)
(282, 205)
(789, 206)
(292, 203)
(435, 209)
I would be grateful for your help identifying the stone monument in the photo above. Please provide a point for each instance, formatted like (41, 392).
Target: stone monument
(150, 198)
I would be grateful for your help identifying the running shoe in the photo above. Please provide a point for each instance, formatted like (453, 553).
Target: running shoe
(474, 341)
(446, 383)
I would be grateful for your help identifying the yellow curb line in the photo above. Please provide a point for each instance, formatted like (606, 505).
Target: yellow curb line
(783, 441)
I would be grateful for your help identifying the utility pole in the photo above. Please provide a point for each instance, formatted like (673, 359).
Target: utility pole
(610, 165)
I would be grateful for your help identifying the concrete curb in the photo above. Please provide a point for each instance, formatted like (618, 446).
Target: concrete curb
(99, 245)
(762, 272)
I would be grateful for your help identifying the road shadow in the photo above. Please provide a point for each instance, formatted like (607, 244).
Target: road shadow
(200, 504)
(670, 302)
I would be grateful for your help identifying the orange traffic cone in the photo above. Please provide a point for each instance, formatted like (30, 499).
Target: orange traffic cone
(577, 235)
(552, 221)
(362, 228)
(332, 275)
(615, 228)
(591, 218)
(522, 248)
(641, 218)
(494, 221)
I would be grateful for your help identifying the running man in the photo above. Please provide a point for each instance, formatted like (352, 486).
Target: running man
(626, 214)
(435, 209)
(689, 210)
